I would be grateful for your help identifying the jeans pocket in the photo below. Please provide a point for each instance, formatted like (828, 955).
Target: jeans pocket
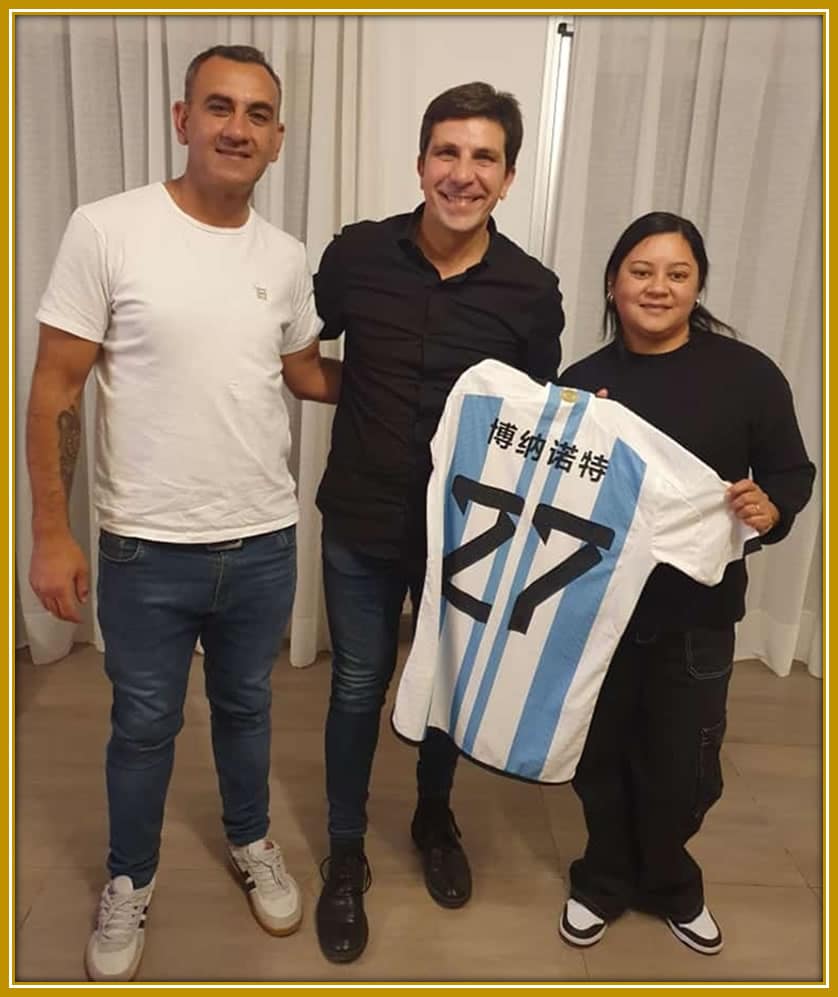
(709, 653)
(287, 538)
(118, 549)
(709, 783)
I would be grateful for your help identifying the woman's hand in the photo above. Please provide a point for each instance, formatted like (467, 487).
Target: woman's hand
(750, 503)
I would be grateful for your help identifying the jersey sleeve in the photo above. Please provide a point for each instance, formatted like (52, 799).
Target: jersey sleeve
(694, 528)
(305, 325)
(77, 298)
(415, 691)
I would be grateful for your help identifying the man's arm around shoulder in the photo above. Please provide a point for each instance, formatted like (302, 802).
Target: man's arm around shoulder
(311, 376)
(58, 571)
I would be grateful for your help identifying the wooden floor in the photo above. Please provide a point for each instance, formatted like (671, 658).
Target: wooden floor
(760, 850)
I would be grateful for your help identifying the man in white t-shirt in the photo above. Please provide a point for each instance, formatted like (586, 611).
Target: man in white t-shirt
(192, 309)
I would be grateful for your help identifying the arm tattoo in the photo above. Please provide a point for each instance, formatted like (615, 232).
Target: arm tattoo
(69, 442)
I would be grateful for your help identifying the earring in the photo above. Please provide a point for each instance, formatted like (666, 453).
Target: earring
(610, 297)
(696, 303)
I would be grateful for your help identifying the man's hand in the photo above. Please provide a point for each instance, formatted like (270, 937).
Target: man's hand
(310, 376)
(59, 575)
(750, 503)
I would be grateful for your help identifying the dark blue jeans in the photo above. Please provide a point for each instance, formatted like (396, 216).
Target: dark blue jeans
(155, 601)
(650, 771)
(364, 598)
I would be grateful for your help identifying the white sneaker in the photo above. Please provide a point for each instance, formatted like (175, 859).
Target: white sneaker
(579, 925)
(116, 945)
(273, 894)
(702, 934)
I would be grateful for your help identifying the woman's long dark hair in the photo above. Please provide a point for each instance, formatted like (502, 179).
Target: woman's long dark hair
(659, 223)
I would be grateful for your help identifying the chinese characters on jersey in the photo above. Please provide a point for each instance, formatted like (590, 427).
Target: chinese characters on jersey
(561, 455)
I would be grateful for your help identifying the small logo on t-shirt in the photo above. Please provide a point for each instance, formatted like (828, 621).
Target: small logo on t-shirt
(261, 292)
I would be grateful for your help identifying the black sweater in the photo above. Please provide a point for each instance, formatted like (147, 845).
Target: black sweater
(731, 406)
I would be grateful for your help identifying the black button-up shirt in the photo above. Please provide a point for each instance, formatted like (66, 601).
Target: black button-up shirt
(409, 336)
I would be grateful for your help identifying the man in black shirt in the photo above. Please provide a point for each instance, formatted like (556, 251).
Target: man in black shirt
(421, 297)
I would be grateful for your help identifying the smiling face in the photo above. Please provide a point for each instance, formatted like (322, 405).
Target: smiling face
(229, 124)
(655, 290)
(463, 174)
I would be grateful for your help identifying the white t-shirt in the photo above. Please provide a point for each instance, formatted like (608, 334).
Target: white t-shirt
(547, 510)
(192, 434)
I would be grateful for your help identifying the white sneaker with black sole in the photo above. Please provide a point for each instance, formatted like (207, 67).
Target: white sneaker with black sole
(116, 946)
(579, 925)
(702, 934)
(273, 894)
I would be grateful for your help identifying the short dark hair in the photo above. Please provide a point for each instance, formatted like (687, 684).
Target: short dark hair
(237, 53)
(659, 223)
(476, 100)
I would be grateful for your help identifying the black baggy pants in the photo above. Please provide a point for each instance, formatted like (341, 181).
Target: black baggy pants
(650, 770)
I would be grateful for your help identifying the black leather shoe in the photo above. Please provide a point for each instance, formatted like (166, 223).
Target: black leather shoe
(447, 874)
(341, 922)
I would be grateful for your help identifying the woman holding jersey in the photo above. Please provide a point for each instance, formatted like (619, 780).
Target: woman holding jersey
(650, 769)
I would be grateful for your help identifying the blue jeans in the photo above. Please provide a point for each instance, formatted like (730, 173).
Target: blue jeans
(364, 598)
(155, 601)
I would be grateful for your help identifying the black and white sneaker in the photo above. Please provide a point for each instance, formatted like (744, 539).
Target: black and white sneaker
(273, 894)
(702, 934)
(579, 925)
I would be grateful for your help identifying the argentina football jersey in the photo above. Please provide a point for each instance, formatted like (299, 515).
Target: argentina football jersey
(547, 510)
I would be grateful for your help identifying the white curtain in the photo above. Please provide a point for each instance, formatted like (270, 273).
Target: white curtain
(93, 98)
(92, 118)
(718, 119)
(333, 176)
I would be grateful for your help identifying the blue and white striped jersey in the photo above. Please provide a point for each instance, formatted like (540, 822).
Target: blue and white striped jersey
(547, 510)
